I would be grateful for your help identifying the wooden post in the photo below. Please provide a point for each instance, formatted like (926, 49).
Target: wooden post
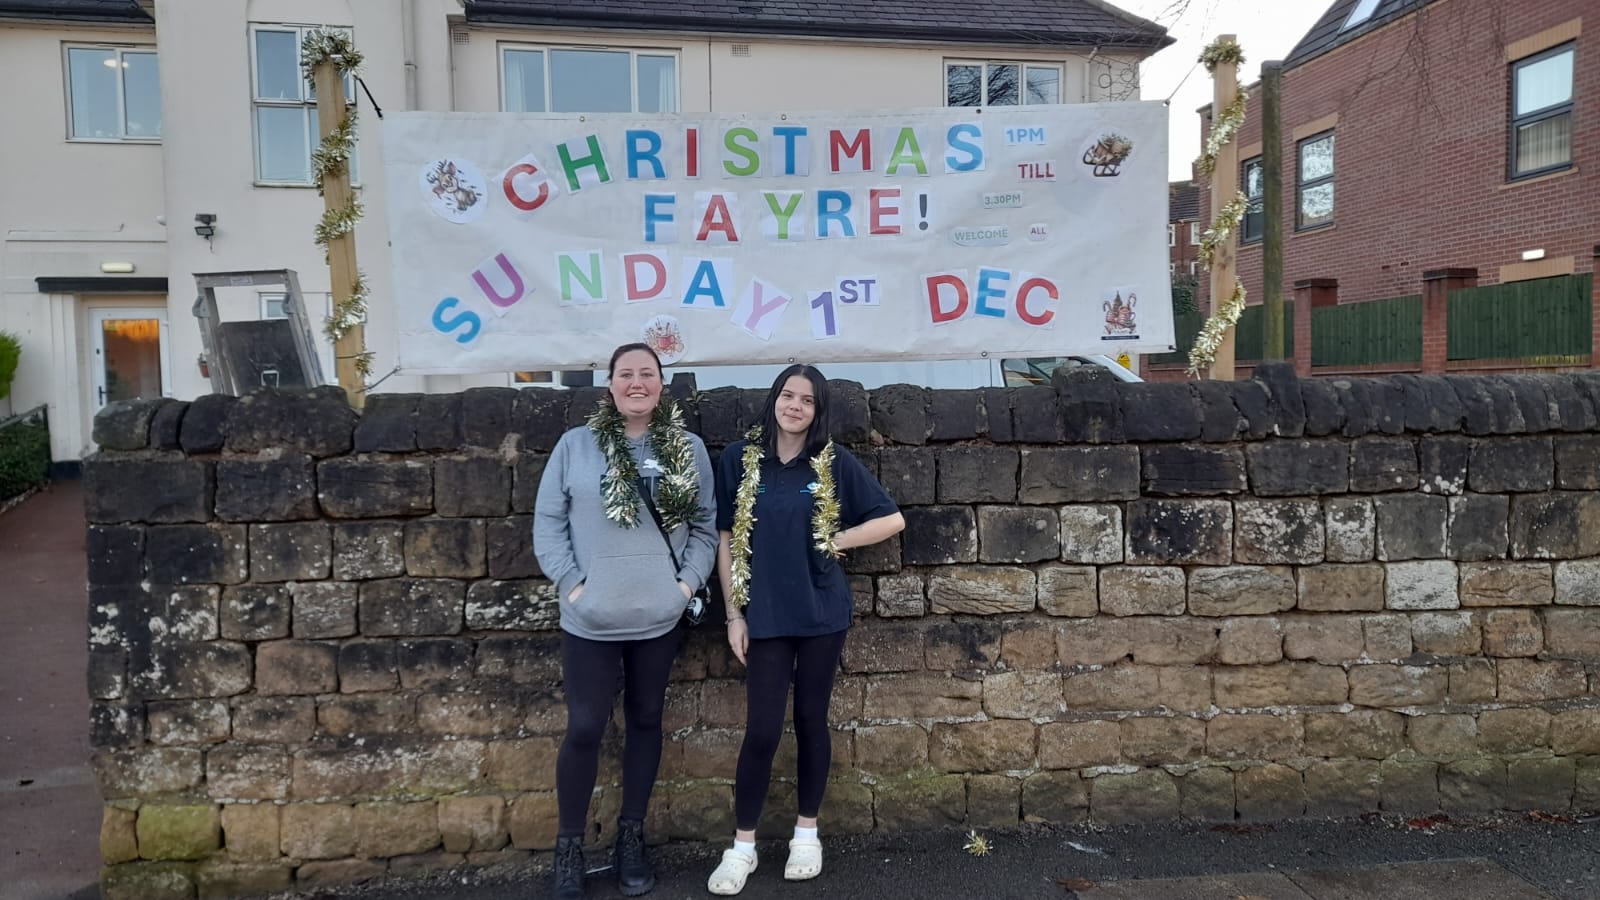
(341, 250)
(1272, 209)
(1224, 185)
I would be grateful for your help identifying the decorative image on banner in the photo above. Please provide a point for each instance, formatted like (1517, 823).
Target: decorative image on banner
(534, 242)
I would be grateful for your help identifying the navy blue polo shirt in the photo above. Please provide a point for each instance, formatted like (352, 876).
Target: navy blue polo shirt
(795, 590)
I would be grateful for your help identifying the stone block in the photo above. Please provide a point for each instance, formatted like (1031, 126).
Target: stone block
(901, 595)
(255, 612)
(1164, 740)
(1142, 591)
(367, 666)
(411, 606)
(1324, 413)
(977, 475)
(486, 416)
(1472, 681)
(1443, 464)
(939, 535)
(1425, 584)
(274, 720)
(529, 605)
(1148, 795)
(196, 554)
(1331, 639)
(317, 421)
(1278, 532)
(994, 801)
(890, 749)
(1476, 527)
(1512, 465)
(1575, 732)
(360, 488)
(1255, 406)
(1506, 584)
(993, 746)
(1441, 736)
(363, 550)
(386, 768)
(1136, 687)
(1411, 526)
(1187, 532)
(145, 771)
(1577, 459)
(1058, 798)
(1270, 793)
(297, 667)
(1252, 640)
(250, 831)
(1254, 736)
(119, 842)
(532, 821)
(1206, 795)
(920, 803)
(526, 473)
(1029, 646)
(125, 424)
(1220, 418)
(982, 590)
(317, 830)
(1008, 534)
(1183, 470)
(1283, 390)
(1351, 529)
(338, 873)
(178, 832)
(1153, 411)
(188, 670)
(439, 422)
(900, 413)
(1341, 588)
(1091, 534)
(922, 695)
(1572, 632)
(1546, 785)
(883, 647)
(1298, 468)
(324, 609)
(1075, 474)
(1363, 734)
(202, 429)
(472, 823)
(364, 715)
(1093, 642)
(539, 415)
(158, 489)
(1472, 785)
(956, 415)
(273, 487)
(1240, 591)
(1379, 464)
(388, 424)
(1390, 686)
(108, 673)
(510, 548)
(446, 548)
(1506, 731)
(471, 486)
(1560, 525)
(395, 829)
(116, 554)
(1388, 636)
(116, 724)
(1163, 641)
(220, 877)
(187, 721)
(1022, 695)
(433, 662)
(1577, 583)
(1457, 633)
(236, 773)
(1067, 590)
(909, 475)
(300, 551)
(1514, 632)
(1408, 786)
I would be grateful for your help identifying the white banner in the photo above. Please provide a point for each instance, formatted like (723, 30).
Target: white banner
(543, 241)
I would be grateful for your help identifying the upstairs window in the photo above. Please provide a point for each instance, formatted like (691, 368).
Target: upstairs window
(1541, 112)
(114, 94)
(1001, 83)
(1255, 217)
(579, 80)
(1362, 12)
(1315, 206)
(285, 106)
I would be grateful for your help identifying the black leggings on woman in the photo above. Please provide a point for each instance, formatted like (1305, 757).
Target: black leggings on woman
(590, 672)
(771, 664)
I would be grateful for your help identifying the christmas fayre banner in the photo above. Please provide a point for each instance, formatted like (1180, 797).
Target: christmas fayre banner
(542, 241)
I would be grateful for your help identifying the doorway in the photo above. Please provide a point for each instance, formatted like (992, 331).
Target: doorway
(130, 354)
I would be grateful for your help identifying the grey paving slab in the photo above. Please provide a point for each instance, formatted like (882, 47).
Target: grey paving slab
(1252, 885)
(1458, 879)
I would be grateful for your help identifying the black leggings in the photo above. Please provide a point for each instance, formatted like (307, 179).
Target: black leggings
(589, 670)
(772, 663)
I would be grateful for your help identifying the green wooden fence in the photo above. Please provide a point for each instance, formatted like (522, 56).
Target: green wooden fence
(1375, 332)
(1543, 320)
(1249, 336)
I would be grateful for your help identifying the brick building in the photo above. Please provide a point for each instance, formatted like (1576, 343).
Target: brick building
(1183, 228)
(1429, 145)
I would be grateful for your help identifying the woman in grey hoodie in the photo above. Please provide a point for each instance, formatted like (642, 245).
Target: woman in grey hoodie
(623, 591)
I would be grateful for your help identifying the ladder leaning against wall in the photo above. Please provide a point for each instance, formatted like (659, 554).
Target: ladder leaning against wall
(247, 354)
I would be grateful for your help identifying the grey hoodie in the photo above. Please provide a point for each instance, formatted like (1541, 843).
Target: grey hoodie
(630, 589)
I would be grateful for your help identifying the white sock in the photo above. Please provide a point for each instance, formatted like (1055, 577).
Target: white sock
(805, 832)
(746, 847)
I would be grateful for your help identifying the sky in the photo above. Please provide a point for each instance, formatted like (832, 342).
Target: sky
(1266, 29)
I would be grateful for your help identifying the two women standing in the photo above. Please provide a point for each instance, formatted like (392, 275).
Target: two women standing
(788, 503)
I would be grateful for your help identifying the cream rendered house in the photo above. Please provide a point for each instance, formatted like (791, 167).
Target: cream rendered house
(150, 140)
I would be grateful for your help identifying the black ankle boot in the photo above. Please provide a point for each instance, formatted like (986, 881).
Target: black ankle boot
(569, 869)
(634, 875)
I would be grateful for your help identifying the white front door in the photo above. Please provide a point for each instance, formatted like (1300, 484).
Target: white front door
(130, 354)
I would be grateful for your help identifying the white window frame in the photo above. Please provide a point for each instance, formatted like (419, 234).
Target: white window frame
(633, 69)
(1362, 11)
(305, 102)
(1172, 234)
(1022, 88)
(122, 99)
(1194, 234)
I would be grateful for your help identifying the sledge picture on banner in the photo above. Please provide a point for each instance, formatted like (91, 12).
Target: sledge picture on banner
(524, 241)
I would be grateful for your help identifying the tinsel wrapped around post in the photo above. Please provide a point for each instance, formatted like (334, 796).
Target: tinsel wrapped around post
(1225, 127)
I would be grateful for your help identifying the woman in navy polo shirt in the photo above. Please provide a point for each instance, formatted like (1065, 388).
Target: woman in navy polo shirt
(789, 504)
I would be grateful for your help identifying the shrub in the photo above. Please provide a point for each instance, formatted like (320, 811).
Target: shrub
(10, 350)
(24, 457)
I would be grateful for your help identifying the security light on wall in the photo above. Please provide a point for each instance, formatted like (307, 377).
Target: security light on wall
(1531, 255)
(117, 268)
(205, 224)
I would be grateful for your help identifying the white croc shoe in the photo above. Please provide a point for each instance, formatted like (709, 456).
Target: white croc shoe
(805, 859)
(730, 876)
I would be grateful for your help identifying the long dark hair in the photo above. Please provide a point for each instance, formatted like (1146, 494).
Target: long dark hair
(616, 354)
(817, 434)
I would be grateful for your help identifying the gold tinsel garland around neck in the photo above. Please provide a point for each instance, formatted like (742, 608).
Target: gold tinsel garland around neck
(678, 492)
(824, 511)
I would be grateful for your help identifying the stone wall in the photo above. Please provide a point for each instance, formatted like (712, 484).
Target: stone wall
(321, 649)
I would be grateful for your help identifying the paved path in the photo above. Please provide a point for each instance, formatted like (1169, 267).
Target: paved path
(49, 807)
